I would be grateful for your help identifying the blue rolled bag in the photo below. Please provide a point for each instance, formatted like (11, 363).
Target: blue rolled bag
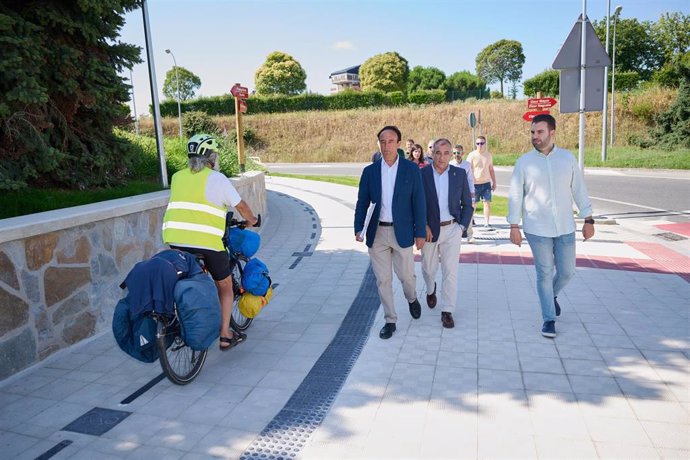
(244, 241)
(255, 279)
(198, 309)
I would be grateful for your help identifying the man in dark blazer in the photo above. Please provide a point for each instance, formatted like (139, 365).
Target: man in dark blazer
(448, 214)
(394, 187)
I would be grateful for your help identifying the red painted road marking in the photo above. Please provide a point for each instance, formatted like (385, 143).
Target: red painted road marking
(682, 228)
(661, 260)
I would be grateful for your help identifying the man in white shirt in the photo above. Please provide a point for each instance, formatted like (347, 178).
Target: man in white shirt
(393, 185)
(457, 160)
(544, 184)
(448, 212)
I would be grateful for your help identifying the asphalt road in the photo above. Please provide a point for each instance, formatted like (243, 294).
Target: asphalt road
(618, 193)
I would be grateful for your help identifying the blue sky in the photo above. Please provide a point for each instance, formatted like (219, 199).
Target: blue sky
(225, 41)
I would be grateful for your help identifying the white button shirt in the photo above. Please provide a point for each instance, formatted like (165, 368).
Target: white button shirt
(388, 175)
(441, 183)
(542, 191)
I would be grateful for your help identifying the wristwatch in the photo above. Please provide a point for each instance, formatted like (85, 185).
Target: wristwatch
(589, 221)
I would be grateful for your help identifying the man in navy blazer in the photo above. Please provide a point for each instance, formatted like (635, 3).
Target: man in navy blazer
(448, 213)
(393, 185)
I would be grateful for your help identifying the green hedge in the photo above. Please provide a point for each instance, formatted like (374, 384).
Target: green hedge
(225, 104)
(427, 96)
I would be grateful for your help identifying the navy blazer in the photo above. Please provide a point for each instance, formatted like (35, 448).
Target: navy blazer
(459, 198)
(409, 207)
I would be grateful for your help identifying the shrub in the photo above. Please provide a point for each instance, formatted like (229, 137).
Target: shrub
(198, 122)
(147, 165)
(427, 96)
(496, 95)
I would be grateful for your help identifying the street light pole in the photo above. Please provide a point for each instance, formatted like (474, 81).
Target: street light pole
(134, 104)
(177, 78)
(616, 13)
(605, 111)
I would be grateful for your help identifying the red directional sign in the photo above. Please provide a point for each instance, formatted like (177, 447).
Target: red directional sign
(243, 106)
(528, 116)
(239, 91)
(541, 103)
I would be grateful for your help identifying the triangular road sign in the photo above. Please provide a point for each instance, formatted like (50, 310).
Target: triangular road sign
(568, 56)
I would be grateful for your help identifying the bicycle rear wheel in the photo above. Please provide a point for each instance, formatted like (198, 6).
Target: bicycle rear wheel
(180, 363)
(238, 321)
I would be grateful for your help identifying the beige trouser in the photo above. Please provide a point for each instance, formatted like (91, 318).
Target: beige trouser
(447, 251)
(384, 253)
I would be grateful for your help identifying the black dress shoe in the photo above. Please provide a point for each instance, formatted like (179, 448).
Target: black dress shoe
(447, 320)
(415, 309)
(431, 298)
(387, 331)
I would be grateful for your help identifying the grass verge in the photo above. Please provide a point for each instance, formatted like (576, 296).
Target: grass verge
(342, 180)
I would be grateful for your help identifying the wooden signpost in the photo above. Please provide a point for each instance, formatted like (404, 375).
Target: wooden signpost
(241, 94)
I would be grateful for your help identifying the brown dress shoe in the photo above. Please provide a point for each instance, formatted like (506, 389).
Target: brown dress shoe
(431, 298)
(447, 320)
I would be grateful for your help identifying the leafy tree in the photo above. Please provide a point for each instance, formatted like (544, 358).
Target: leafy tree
(385, 72)
(637, 48)
(425, 78)
(546, 82)
(280, 74)
(465, 84)
(465, 81)
(501, 61)
(673, 34)
(671, 73)
(61, 93)
(189, 83)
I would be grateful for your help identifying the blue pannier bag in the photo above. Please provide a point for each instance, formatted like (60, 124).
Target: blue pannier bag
(135, 334)
(245, 242)
(198, 310)
(255, 279)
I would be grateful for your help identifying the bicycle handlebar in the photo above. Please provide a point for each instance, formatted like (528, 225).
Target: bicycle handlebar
(230, 222)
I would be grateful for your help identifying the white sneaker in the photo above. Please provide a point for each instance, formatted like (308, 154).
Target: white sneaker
(470, 240)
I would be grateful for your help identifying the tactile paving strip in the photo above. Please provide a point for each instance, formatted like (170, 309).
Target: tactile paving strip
(97, 421)
(287, 434)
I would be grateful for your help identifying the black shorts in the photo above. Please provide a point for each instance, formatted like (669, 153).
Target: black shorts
(217, 262)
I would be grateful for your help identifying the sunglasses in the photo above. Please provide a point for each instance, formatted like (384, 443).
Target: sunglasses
(481, 143)
(457, 153)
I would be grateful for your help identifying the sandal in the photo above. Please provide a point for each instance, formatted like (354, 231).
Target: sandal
(236, 339)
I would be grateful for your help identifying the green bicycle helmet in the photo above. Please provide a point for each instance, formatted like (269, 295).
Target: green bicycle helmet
(202, 145)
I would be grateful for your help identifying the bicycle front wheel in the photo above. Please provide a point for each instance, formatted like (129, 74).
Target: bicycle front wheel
(179, 362)
(238, 321)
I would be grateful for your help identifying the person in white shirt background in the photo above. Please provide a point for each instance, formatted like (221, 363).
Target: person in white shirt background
(544, 184)
(457, 160)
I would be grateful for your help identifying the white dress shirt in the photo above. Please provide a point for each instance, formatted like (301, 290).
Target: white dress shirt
(388, 175)
(542, 191)
(441, 183)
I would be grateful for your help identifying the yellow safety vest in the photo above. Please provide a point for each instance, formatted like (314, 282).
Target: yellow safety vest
(190, 219)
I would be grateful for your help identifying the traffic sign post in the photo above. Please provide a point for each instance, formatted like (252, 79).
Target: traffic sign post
(472, 119)
(240, 93)
(541, 103)
(529, 116)
(581, 60)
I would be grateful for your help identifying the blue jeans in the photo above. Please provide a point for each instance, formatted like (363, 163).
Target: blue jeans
(558, 252)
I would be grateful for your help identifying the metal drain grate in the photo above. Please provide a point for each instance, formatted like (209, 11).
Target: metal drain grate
(670, 236)
(97, 421)
(288, 432)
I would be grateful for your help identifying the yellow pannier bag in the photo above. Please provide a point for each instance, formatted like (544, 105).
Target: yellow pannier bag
(250, 305)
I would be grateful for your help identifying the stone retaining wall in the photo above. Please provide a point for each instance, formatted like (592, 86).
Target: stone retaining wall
(60, 270)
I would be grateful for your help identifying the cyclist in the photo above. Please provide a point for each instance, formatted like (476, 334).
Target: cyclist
(194, 221)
